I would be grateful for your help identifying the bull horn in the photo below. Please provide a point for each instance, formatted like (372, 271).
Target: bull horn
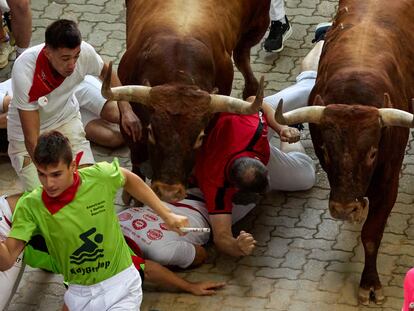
(310, 114)
(222, 103)
(396, 117)
(131, 93)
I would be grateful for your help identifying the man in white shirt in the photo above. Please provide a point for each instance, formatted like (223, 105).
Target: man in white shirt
(44, 79)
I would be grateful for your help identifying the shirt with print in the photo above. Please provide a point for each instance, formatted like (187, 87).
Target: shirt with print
(84, 237)
(227, 140)
(62, 105)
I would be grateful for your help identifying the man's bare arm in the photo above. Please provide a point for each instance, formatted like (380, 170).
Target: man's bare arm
(129, 121)
(9, 251)
(31, 128)
(243, 245)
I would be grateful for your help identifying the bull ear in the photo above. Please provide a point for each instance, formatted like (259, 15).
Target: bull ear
(318, 101)
(215, 90)
(387, 101)
(146, 82)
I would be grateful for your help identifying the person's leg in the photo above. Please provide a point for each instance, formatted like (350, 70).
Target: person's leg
(296, 96)
(280, 29)
(75, 132)
(23, 165)
(277, 10)
(292, 170)
(4, 107)
(21, 21)
(110, 112)
(103, 133)
(5, 48)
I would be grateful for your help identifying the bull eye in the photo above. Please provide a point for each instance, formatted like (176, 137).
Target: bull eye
(371, 156)
(151, 137)
(199, 140)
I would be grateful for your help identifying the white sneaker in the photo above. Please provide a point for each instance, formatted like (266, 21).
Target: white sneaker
(5, 50)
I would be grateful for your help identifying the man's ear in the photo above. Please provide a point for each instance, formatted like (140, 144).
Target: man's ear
(47, 51)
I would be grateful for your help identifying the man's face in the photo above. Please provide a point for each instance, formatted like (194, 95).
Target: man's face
(63, 60)
(56, 178)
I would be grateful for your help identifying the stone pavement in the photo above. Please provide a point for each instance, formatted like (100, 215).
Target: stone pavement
(305, 260)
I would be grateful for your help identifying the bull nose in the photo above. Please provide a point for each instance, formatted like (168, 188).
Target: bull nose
(354, 212)
(169, 193)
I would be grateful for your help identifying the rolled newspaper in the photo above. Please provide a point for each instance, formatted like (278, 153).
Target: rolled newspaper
(188, 229)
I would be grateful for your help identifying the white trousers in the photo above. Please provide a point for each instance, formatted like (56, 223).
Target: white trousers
(121, 292)
(9, 280)
(72, 129)
(293, 171)
(277, 10)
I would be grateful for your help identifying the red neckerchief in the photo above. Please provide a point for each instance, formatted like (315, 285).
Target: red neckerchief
(54, 205)
(45, 78)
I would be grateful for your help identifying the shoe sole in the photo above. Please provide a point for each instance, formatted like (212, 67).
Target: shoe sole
(325, 24)
(284, 38)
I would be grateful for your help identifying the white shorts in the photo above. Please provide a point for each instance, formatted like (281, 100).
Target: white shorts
(90, 99)
(5, 89)
(9, 280)
(73, 130)
(120, 292)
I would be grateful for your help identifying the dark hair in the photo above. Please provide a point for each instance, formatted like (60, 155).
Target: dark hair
(52, 147)
(249, 175)
(63, 33)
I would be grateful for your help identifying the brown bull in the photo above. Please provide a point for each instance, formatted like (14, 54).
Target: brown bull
(366, 69)
(183, 49)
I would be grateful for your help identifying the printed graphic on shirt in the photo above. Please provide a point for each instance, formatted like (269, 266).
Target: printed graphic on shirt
(90, 250)
(154, 234)
(139, 224)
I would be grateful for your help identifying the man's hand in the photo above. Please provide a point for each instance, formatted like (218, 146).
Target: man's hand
(246, 243)
(174, 222)
(289, 134)
(207, 288)
(131, 124)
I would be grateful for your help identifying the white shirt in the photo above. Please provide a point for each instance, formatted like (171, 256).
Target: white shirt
(148, 231)
(61, 105)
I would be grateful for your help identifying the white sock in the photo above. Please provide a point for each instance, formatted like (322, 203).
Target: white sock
(19, 50)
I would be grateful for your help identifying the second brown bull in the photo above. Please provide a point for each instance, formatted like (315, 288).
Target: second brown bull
(366, 70)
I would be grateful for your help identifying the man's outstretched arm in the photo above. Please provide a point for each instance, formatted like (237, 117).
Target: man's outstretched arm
(243, 245)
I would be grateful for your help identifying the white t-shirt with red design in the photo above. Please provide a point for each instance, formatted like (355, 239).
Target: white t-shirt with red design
(62, 105)
(149, 233)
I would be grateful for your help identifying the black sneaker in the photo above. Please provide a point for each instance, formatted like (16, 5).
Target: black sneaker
(278, 34)
(320, 31)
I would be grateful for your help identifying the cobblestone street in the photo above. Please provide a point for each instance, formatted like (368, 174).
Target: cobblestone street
(305, 260)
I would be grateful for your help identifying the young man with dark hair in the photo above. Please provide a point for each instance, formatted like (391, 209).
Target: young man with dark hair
(44, 79)
(74, 212)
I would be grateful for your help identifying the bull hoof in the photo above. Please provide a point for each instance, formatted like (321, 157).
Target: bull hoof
(366, 295)
(126, 198)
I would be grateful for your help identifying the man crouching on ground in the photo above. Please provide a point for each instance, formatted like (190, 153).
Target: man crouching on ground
(74, 212)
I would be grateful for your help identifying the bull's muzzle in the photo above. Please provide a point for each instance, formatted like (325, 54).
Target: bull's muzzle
(354, 212)
(169, 193)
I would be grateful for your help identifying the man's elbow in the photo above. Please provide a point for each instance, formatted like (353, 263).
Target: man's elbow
(6, 265)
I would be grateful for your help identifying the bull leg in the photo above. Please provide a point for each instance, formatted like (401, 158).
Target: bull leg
(242, 61)
(382, 194)
(241, 54)
(224, 75)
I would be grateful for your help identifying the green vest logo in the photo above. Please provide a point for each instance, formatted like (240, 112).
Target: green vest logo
(90, 250)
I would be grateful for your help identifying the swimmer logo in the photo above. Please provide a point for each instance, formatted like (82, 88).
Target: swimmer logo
(89, 251)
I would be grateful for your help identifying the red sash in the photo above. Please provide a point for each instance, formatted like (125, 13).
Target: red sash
(55, 204)
(45, 78)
